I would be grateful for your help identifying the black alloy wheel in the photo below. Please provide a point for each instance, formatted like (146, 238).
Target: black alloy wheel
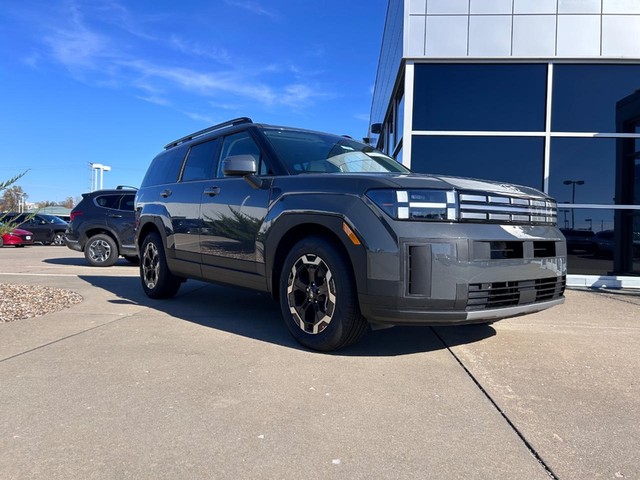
(157, 279)
(318, 296)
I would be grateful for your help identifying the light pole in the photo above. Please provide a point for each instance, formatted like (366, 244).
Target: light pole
(590, 223)
(97, 175)
(573, 184)
(22, 202)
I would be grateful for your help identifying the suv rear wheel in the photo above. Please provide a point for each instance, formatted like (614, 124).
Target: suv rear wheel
(157, 280)
(318, 296)
(101, 250)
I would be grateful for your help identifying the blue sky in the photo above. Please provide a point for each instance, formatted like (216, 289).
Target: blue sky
(111, 82)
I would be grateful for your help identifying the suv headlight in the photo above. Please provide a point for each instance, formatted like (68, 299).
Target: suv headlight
(418, 204)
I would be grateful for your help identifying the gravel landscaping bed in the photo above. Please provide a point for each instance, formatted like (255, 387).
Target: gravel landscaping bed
(25, 301)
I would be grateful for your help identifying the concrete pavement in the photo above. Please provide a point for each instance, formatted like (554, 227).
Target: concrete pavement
(211, 385)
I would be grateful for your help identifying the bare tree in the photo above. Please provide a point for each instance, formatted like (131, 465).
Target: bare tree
(46, 203)
(68, 203)
(11, 198)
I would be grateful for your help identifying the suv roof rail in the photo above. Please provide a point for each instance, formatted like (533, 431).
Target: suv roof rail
(129, 187)
(229, 123)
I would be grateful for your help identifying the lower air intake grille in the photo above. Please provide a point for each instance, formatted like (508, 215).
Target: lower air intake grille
(510, 294)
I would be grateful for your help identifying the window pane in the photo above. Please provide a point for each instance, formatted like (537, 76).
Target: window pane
(585, 97)
(516, 160)
(238, 144)
(480, 97)
(165, 168)
(602, 242)
(109, 201)
(200, 161)
(587, 165)
(400, 119)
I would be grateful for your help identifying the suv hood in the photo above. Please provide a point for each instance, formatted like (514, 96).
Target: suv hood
(461, 183)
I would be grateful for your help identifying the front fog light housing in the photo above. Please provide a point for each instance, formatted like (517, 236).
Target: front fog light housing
(418, 204)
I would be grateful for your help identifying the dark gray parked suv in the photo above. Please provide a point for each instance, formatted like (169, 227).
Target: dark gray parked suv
(342, 235)
(102, 226)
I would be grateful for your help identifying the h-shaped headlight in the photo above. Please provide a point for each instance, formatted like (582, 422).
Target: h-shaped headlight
(417, 204)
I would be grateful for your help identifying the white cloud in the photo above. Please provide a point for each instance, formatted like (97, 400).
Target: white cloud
(98, 51)
(195, 48)
(253, 7)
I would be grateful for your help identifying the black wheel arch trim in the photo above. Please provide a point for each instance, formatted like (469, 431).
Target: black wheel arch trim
(291, 223)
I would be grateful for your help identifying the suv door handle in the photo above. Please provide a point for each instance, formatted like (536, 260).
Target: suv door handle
(212, 192)
(165, 193)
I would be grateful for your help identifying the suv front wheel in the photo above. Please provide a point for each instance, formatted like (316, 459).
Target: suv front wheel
(318, 296)
(157, 280)
(101, 250)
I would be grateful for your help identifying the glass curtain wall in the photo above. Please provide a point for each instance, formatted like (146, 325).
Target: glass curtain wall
(571, 130)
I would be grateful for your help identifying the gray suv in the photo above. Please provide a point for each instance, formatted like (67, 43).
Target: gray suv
(343, 236)
(102, 226)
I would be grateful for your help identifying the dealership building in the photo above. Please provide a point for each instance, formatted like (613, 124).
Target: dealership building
(544, 93)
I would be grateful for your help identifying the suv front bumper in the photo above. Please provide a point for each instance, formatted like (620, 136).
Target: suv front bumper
(476, 274)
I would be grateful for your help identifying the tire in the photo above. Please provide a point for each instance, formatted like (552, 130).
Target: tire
(157, 280)
(318, 296)
(132, 259)
(58, 239)
(101, 251)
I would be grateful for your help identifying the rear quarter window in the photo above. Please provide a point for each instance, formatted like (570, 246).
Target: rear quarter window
(165, 168)
(108, 201)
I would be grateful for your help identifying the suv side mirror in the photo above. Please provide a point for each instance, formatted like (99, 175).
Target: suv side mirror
(240, 165)
(244, 166)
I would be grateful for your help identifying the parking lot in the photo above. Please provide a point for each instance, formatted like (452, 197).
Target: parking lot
(211, 385)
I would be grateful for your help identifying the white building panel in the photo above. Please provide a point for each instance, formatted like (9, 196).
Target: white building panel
(534, 35)
(579, 6)
(415, 42)
(491, 7)
(448, 7)
(620, 35)
(490, 35)
(417, 7)
(578, 35)
(447, 36)
(621, 6)
(525, 7)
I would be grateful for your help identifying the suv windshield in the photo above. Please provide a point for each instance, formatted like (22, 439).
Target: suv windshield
(312, 152)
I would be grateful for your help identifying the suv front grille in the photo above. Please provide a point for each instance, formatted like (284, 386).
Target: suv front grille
(476, 207)
(510, 294)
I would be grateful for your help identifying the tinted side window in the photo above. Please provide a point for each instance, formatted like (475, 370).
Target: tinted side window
(200, 161)
(165, 168)
(240, 144)
(109, 200)
(126, 202)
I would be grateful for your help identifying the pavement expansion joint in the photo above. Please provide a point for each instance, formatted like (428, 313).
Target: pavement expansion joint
(520, 435)
(53, 342)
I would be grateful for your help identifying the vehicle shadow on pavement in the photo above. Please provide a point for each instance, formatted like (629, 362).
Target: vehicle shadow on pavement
(81, 261)
(255, 315)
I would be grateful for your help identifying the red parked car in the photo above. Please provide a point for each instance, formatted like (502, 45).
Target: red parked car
(17, 237)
